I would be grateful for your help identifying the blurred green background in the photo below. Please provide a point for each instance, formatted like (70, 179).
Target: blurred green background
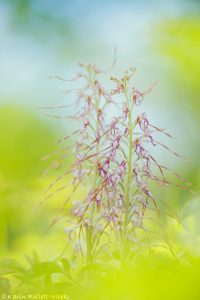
(43, 38)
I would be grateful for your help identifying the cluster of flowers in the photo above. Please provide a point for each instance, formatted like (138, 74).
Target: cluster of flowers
(112, 158)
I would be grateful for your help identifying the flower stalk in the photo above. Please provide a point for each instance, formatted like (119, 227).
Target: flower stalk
(114, 164)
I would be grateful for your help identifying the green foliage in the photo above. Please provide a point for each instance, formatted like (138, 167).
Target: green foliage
(24, 141)
(152, 278)
(179, 40)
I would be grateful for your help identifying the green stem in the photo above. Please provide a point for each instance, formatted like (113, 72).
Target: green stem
(129, 173)
(89, 241)
(88, 231)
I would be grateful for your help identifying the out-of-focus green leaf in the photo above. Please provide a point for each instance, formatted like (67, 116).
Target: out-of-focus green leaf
(4, 285)
(178, 39)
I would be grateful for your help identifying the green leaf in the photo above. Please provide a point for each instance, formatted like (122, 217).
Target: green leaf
(66, 265)
(4, 285)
